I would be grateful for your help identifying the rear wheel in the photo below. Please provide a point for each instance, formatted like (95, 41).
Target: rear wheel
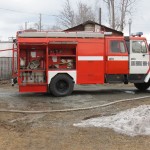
(61, 85)
(142, 86)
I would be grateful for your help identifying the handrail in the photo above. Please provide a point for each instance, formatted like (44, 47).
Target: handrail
(8, 50)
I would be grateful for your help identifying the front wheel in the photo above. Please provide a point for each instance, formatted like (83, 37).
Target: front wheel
(61, 85)
(142, 86)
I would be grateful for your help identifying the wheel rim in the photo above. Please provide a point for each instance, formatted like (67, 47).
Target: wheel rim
(62, 86)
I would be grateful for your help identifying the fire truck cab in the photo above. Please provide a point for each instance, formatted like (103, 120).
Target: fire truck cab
(55, 61)
(139, 61)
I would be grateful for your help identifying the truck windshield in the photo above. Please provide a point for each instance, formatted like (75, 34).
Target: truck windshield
(139, 47)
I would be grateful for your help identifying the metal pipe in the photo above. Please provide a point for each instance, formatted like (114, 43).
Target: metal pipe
(130, 22)
(100, 16)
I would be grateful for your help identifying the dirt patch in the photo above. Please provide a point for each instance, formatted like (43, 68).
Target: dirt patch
(55, 131)
(4, 82)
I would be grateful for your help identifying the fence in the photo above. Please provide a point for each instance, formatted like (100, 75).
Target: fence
(6, 67)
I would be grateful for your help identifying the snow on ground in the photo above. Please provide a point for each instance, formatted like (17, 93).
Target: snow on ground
(132, 122)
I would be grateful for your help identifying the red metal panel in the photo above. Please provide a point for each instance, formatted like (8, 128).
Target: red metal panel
(32, 40)
(90, 71)
(117, 67)
(47, 67)
(33, 88)
(18, 60)
(91, 48)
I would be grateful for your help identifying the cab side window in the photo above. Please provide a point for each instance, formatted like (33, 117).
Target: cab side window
(117, 47)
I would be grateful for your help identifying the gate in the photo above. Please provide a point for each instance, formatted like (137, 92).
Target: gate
(6, 67)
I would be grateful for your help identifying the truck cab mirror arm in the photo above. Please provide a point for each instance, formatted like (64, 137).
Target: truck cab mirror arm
(149, 47)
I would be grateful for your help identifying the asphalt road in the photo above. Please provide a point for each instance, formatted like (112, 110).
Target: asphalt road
(82, 97)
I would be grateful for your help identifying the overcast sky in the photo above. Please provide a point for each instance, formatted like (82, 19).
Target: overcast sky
(28, 11)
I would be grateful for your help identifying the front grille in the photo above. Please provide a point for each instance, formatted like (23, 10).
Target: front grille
(138, 63)
(145, 63)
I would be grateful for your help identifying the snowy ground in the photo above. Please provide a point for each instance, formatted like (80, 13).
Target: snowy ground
(133, 122)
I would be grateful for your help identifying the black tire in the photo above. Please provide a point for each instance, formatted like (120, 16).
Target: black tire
(142, 86)
(61, 85)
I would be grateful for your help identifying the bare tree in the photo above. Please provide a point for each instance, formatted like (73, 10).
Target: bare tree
(84, 13)
(111, 12)
(126, 7)
(53, 28)
(69, 18)
(21, 27)
(112, 5)
(118, 11)
(36, 26)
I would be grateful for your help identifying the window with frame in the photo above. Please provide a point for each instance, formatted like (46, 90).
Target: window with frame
(139, 47)
(117, 46)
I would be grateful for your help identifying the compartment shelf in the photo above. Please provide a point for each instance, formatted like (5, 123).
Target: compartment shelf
(44, 83)
(31, 70)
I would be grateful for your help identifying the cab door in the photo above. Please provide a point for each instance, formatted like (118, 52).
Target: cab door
(116, 57)
(139, 57)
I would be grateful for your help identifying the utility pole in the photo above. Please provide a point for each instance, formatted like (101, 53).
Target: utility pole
(130, 22)
(100, 16)
(40, 22)
(26, 25)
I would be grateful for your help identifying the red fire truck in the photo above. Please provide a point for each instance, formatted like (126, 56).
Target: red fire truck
(55, 61)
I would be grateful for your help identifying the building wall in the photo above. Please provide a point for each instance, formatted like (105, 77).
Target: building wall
(97, 28)
(94, 27)
(89, 27)
(6, 60)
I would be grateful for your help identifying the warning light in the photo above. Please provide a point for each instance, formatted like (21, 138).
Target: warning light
(137, 34)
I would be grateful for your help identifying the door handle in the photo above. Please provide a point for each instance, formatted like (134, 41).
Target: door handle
(111, 58)
(133, 58)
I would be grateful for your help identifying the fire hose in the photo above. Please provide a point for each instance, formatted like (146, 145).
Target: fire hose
(75, 109)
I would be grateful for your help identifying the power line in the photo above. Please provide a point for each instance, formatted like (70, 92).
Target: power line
(18, 11)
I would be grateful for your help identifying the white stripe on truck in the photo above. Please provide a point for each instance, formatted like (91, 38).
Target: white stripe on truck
(118, 58)
(90, 58)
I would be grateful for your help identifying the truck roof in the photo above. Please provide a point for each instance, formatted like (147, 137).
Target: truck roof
(22, 34)
(127, 38)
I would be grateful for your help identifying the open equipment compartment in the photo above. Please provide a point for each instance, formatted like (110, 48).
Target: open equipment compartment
(62, 55)
(32, 64)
